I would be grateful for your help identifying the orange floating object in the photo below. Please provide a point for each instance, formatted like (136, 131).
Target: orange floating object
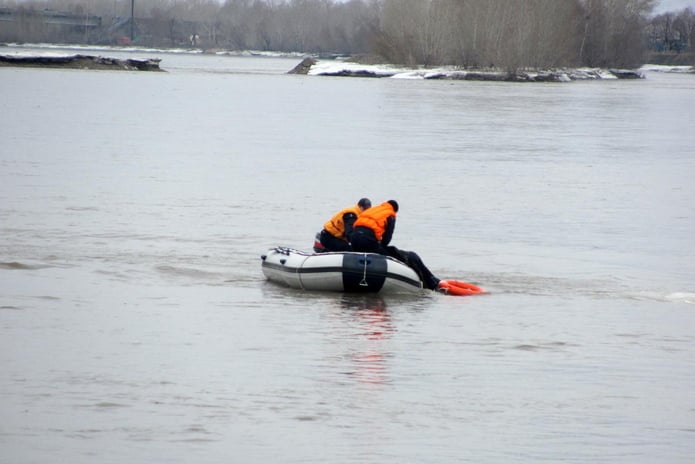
(458, 288)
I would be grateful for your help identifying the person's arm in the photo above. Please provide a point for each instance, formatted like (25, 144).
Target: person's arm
(388, 233)
(349, 221)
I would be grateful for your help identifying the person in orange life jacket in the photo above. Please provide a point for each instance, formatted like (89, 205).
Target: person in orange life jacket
(335, 235)
(372, 233)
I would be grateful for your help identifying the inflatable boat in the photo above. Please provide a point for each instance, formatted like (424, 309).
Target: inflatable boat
(339, 271)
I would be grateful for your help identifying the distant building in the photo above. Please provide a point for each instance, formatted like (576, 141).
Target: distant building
(24, 24)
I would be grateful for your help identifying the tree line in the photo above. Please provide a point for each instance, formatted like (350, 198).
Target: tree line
(671, 38)
(508, 34)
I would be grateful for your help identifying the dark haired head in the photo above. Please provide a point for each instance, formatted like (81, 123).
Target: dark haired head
(364, 203)
(394, 204)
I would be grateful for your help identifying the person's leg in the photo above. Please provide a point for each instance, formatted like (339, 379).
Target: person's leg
(414, 261)
(428, 279)
(392, 251)
(363, 240)
(332, 243)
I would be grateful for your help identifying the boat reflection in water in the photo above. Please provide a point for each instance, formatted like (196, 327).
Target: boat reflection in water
(373, 328)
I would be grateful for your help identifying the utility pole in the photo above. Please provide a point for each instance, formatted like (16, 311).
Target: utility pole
(132, 20)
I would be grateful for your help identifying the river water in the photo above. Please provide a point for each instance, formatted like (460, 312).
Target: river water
(136, 325)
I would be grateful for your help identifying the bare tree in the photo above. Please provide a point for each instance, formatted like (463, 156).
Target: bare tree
(507, 34)
(613, 32)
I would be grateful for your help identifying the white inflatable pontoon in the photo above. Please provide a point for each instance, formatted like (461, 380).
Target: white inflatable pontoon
(339, 271)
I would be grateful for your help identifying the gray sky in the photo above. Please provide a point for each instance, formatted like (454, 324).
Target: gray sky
(662, 6)
(674, 5)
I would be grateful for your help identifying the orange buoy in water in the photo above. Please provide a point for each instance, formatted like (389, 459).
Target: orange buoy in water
(458, 288)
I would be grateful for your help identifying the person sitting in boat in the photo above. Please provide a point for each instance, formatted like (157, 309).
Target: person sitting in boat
(372, 233)
(335, 235)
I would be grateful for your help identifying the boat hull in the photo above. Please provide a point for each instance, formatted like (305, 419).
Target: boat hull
(341, 272)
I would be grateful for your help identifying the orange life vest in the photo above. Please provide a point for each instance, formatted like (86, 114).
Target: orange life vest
(336, 226)
(375, 218)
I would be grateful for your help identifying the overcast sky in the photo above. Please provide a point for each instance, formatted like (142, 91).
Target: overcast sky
(661, 5)
(674, 5)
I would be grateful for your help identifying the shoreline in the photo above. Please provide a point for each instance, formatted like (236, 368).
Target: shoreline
(311, 65)
(79, 61)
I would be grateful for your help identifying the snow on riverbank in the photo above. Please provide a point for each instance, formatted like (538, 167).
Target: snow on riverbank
(336, 67)
(341, 68)
(44, 49)
(667, 68)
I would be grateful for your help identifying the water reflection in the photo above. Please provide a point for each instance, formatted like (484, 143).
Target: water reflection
(373, 327)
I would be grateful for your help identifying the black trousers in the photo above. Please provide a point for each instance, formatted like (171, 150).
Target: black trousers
(364, 240)
(333, 243)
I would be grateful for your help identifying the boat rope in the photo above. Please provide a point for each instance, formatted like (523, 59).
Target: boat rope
(364, 275)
